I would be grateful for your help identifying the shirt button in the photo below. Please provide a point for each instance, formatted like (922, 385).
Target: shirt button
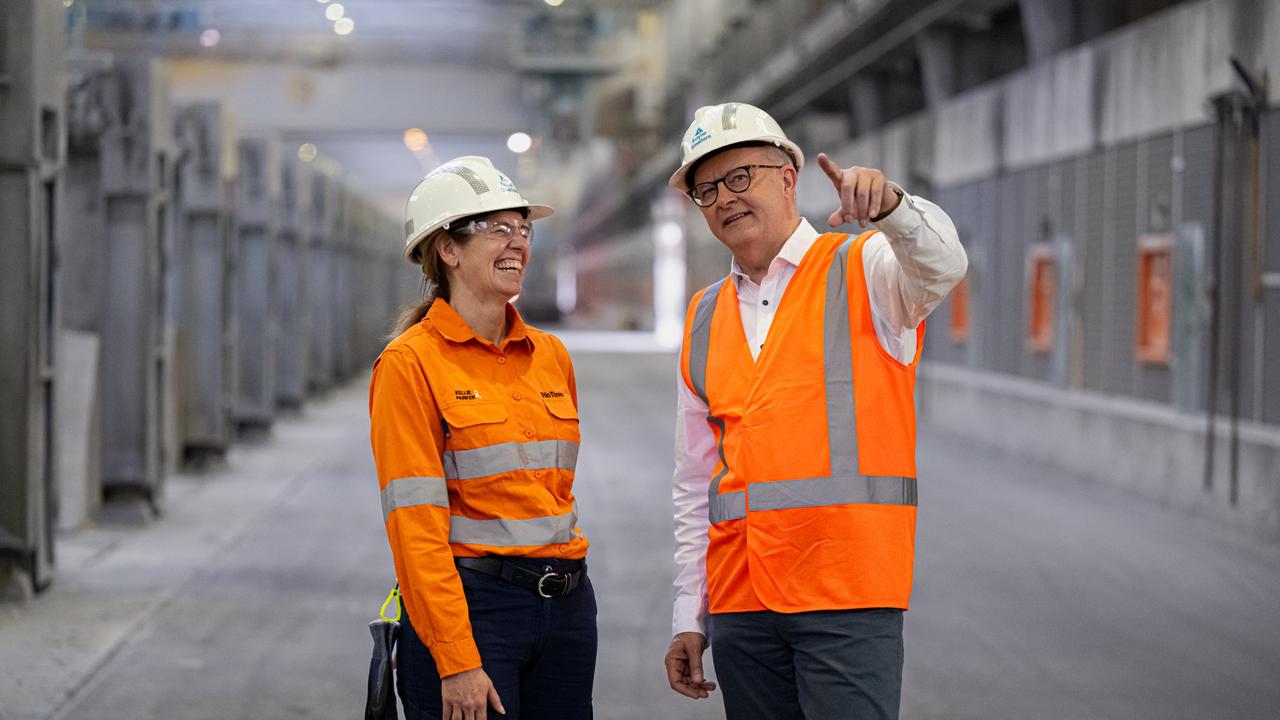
(766, 302)
(502, 361)
(528, 433)
(515, 396)
(537, 473)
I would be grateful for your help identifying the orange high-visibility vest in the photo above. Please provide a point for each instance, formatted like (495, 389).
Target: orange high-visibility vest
(813, 498)
(475, 447)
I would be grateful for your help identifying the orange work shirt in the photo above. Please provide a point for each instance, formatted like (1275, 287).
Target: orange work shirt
(475, 446)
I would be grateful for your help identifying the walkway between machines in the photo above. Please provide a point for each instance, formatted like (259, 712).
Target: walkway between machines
(1037, 594)
(113, 582)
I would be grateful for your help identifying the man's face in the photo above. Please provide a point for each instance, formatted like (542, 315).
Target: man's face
(764, 213)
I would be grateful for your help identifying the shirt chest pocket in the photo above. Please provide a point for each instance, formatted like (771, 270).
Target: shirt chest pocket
(475, 432)
(563, 415)
(473, 420)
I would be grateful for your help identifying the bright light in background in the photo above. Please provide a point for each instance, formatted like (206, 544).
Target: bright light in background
(415, 139)
(208, 38)
(668, 283)
(68, 3)
(519, 142)
(307, 152)
(322, 1)
(344, 26)
(669, 235)
(335, 11)
(554, 3)
(566, 282)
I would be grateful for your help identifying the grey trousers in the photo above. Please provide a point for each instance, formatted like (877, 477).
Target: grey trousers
(827, 665)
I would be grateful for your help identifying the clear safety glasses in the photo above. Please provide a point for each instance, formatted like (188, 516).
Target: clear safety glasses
(500, 229)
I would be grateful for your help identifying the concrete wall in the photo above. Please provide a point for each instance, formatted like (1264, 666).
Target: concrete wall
(1143, 447)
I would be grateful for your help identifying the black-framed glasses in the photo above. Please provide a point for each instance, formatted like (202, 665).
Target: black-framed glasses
(737, 180)
(500, 229)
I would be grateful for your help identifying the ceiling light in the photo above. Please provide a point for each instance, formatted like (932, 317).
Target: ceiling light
(344, 26)
(322, 1)
(210, 37)
(415, 139)
(335, 11)
(554, 3)
(307, 152)
(68, 3)
(519, 142)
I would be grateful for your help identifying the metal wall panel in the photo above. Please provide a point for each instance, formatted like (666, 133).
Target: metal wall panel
(1271, 249)
(1093, 284)
(939, 346)
(258, 201)
(987, 203)
(1122, 271)
(290, 286)
(136, 152)
(320, 367)
(205, 257)
(32, 153)
(1013, 278)
(1155, 199)
(1035, 226)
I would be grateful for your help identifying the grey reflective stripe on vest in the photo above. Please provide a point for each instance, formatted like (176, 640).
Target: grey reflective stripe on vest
(844, 485)
(700, 338)
(410, 491)
(730, 505)
(726, 506)
(816, 492)
(509, 457)
(550, 530)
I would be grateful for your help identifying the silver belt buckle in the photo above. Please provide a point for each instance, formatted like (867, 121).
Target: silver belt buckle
(542, 593)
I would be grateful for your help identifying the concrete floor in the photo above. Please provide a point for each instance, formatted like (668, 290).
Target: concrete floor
(1037, 596)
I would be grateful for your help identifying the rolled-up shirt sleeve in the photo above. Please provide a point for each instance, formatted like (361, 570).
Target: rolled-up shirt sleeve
(911, 265)
(407, 436)
(695, 459)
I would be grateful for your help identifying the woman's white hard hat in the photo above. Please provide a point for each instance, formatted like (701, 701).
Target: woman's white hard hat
(462, 187)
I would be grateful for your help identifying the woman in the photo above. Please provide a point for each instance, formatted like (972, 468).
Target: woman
(475, 435)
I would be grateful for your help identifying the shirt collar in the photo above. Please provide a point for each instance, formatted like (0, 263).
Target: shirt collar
(450, 324)
(792, 251)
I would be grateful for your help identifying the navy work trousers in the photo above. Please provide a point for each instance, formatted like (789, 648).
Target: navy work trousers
(540, 653)
(826, 665)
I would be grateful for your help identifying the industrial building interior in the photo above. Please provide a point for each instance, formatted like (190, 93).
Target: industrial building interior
(203, 205)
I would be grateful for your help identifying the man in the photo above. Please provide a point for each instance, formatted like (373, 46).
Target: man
(795, 483)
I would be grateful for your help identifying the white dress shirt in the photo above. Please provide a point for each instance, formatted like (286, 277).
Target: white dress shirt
(910, 266)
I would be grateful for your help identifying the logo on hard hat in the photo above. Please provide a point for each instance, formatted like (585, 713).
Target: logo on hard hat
(699, 136)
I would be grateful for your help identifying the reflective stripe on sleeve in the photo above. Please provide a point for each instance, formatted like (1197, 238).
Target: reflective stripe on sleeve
(411, 491)
(550, 530)
(509, 457)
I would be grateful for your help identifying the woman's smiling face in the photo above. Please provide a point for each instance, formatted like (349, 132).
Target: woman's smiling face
(490, 262)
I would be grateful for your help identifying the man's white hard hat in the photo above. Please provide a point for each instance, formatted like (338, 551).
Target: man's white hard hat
(716, 127)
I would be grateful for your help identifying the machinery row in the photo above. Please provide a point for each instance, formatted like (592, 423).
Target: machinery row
(171, 286)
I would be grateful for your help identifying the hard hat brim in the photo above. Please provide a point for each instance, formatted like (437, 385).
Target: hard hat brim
(536, 212)
(679, 180)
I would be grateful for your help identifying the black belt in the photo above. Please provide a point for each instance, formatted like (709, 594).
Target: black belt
(542, 579)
